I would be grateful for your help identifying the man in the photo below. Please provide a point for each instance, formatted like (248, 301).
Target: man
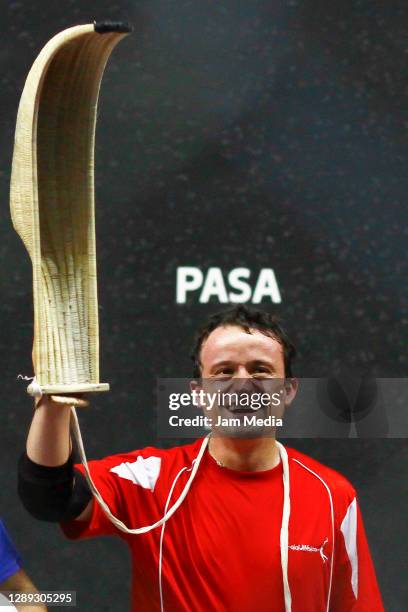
(260, 528)
(12, 577)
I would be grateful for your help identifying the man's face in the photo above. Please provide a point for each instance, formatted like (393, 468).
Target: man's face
(243, 364)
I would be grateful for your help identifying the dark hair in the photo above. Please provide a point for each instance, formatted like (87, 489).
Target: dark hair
(248, 319)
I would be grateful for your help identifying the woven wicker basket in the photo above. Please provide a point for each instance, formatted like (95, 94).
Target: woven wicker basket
(52, 202)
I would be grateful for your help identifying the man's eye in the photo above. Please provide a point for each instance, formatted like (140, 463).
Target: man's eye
(262, 373)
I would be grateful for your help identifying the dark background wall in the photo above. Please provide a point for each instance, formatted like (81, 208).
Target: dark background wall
(261, 134)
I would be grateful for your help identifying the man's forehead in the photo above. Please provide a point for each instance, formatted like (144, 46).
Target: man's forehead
(229, 340)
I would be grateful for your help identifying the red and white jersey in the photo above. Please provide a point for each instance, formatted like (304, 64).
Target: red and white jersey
(221, 549)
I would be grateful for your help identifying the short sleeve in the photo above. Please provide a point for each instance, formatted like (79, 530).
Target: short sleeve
(99, 523)
(10, 560)
(127, 484)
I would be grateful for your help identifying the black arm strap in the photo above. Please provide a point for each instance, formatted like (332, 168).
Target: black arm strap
(52, 493)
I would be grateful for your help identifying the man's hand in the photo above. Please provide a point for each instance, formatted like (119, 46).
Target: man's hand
(77, 401)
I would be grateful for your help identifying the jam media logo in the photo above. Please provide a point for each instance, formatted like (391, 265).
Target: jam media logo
(238, 286)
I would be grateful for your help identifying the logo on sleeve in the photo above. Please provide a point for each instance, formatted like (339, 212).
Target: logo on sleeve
(143, 472)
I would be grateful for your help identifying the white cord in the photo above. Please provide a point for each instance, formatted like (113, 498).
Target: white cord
(284, 532)
(117, 522)
(162, 535)
(332, 522)
(33, 388)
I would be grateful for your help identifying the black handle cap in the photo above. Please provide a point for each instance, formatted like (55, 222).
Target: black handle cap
(102, 27)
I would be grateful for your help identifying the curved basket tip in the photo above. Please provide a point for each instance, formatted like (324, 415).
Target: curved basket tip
(102, 27)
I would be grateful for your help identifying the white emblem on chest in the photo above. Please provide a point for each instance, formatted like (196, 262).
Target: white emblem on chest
(307, 548)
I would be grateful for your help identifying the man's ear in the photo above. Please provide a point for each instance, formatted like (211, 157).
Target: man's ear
(195, 385)
(291, 387)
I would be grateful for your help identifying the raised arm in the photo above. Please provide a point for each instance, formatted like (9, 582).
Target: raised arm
(49, 487)
(49, 440)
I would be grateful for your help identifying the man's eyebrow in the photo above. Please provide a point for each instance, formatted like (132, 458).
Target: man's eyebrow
(220, 363)
(253, 362)
(263, 362)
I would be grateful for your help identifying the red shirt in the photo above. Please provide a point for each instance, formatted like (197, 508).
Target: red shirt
(221, 548)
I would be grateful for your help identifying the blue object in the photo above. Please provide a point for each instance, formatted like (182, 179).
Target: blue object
(10, 560)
